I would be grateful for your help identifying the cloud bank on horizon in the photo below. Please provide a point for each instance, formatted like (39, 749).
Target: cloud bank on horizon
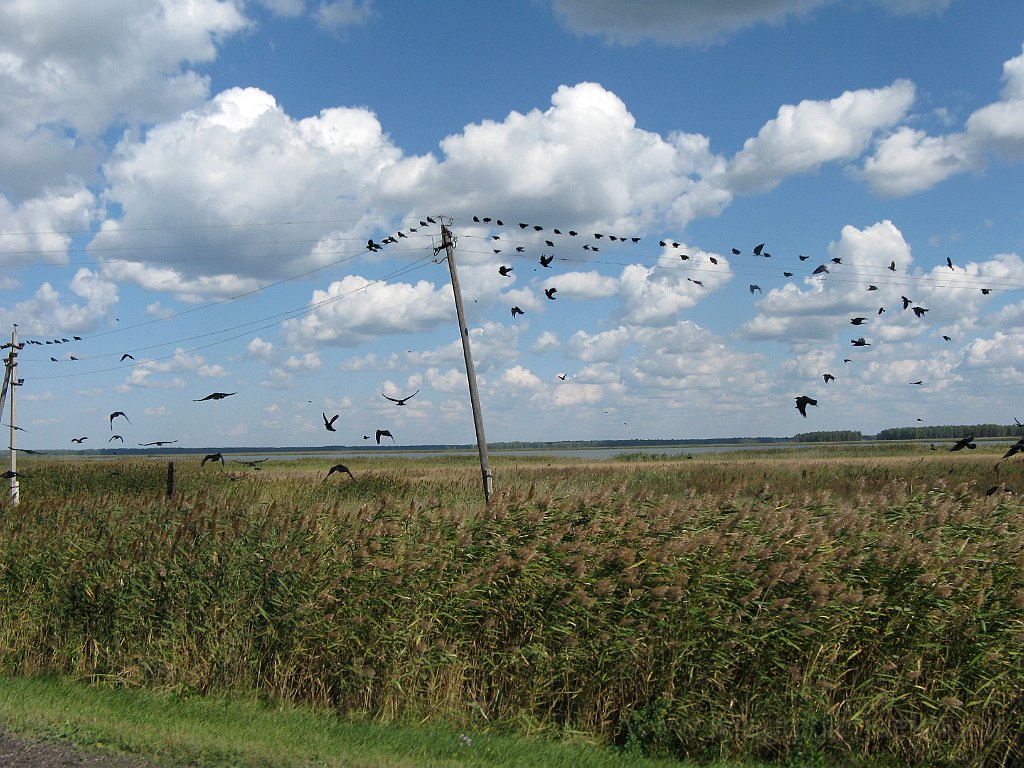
(164, 196)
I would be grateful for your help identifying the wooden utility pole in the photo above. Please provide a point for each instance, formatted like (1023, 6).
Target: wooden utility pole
(474, 394)
(10, 387)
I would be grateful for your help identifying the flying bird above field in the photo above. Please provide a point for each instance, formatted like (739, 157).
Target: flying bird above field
(158, 443)
(255, 464)
(339, 468)
(802, 402)
(857, 320)
(517, 311)
(384, 433)
(26, 450)
(545, 261)
(828, 377)
(503, 270)
(1014, 449)
(329, 423)
(126, 356)
(214, 396)
(401, 400)
(79, 440)
(550, 293)
(115, 437)
(213, 457)
(114, 415)
(964, 442)
(10, 474)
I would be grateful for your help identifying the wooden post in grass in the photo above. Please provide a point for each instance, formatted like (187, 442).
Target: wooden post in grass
(474, 394)
(170, 479)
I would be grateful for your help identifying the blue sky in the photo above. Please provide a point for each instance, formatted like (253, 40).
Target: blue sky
(194, 183)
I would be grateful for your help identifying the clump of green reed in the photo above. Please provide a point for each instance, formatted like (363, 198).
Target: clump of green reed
(757, 616)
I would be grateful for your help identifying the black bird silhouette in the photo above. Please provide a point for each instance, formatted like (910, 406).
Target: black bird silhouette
(549, 243)
(545, 261)
(213, 457)
(872, 287)
(695, 282)
(550, 293)
(329, 423)
(1014, 449)
(384, 433)
(9, 474)
(947, 338)
(828, 377)
(254, 464)
(755, 288)
(26, 450)
(964, 442)
(517, 311)
(79, 440)
(919, 311)
(802, 402)
(906, 302)
(892, 266)
(158, 443)
(16, 429)
(881, 310)
(735, 251)
(115, 437)
(562, 376)
(984, 292)
(758, 249)
(860, 342)
(52, 359)
(949, 262)
(339, 468)
(503, 270)
(857, 320)
(401, 400)
(126, 356)
(114, 415)
(803, 258)
(837, 260)
(919, 382)
(820, 270)
(214, 396)
(787, 274)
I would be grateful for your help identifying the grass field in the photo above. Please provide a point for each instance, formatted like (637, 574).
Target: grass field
(819, 604)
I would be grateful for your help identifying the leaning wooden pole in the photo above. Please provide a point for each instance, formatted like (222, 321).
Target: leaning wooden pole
(474, 394)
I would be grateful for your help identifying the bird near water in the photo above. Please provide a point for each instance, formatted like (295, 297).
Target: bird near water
(329, 423)
(340, 468)
(213, 457)
(384, 433)
(802, 402)
(964, 442)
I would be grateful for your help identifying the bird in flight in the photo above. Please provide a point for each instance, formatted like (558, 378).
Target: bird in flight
(562, 376)
(384, 433)
(964, 442)
(550, 293)
(802, 402)
(213, 457)
(828, 377)
(545, 261)
(918, 382)
(340, 468)
(503, 270)
(860, 342)
(517, 311)
(857, 320)
(1014, 449)
(758, 249)
(401, 400)
(114, 415)
(214, 396)
(79, 440)
(329, 423)
(919, 311)
(16, 429)
(26, 450)
(254, 464)
(754, 287)
(126, 356)
(158, 443)
(115, 437)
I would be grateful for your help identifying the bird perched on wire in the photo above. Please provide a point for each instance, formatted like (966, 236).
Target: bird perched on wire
(340, 468)
(802, 402)
(400, 400)
(329, 423)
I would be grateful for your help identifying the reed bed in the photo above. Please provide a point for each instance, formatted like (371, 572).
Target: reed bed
(792, 607)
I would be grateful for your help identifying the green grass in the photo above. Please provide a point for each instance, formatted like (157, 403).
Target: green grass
(812, 604)
(224, 731)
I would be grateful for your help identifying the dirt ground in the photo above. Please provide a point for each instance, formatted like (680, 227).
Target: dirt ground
(26, 753)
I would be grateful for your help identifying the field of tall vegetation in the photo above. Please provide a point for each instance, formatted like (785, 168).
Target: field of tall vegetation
(787, 605)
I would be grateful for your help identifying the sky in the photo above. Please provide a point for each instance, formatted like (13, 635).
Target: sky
(189, 188)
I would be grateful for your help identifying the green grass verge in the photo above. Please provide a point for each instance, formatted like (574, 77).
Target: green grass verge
(222, 731)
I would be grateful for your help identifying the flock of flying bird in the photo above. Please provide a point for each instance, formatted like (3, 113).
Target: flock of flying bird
(545, 260)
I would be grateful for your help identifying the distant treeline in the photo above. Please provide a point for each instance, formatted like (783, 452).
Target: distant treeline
(829, 436)
(950, 431)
